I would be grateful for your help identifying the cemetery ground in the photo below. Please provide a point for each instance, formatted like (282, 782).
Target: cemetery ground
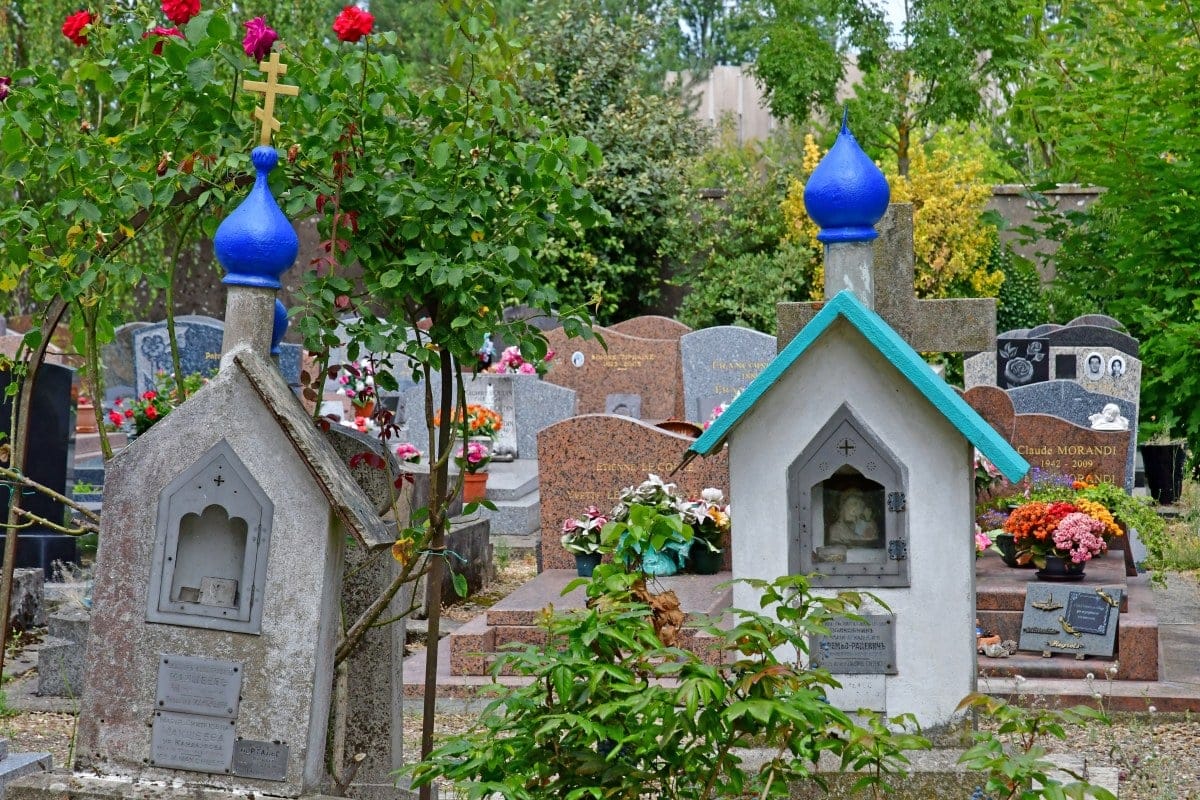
(1152, 752)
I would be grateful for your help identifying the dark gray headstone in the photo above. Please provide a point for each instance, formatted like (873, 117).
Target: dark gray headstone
(718, 363)
(199, 339)
(1020, 362)
(117, 361)
(1097, 320)
(1042, 330)
(532, 316)
(539, 404)
(1091, 336)
(51, 435)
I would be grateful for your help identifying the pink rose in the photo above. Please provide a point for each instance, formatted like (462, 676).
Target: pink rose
(259, 38)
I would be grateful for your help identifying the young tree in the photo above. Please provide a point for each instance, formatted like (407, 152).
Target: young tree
(596, 87)
(949, 60)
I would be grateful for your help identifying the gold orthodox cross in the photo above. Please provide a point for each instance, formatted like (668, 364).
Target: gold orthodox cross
(270, 88)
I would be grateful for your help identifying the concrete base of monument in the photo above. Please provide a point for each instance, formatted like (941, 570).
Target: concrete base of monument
(61, 785)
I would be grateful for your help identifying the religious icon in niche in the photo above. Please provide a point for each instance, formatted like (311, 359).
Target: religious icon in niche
(853, 510)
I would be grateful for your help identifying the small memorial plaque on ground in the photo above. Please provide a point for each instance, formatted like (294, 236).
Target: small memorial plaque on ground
(857, 648)
(1073, 621)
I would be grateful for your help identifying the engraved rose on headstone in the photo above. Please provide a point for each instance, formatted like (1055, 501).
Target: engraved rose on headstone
(1018, 363)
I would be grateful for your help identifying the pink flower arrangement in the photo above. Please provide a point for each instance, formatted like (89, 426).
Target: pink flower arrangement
(982, 540)
(259, 38)
(407, 451)
(511, 362)
(474, 457)
(358, 383)
(583, 535)
(1078, 537)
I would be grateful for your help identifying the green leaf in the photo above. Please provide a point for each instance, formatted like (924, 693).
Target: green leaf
(460, 584)
(200, 73)
(439, 154)
(391, 279)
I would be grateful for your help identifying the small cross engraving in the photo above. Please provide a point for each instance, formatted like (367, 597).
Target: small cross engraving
(271, 87)
(846, 447)
(218, 480)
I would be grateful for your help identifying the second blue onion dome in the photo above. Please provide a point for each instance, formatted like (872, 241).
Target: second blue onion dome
(279, 326)
(256, 243)
(846, 194)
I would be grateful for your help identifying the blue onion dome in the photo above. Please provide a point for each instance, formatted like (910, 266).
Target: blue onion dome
(280, 327)
(846, 194)
(256, 243)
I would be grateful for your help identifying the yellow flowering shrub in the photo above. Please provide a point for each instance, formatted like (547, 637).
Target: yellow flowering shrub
(802, 230)
(952, 245)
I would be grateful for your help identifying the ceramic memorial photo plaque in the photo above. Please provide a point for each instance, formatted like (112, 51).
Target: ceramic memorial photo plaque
(1077, 621)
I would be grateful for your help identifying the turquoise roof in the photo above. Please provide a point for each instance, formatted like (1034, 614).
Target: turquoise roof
(897, 351)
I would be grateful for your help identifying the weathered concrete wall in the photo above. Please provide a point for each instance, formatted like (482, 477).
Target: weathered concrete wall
(1011, 203)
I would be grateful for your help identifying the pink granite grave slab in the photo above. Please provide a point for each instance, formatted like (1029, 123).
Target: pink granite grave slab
(648, 369)
(588, 460)
(651, 327)
(1052, 443)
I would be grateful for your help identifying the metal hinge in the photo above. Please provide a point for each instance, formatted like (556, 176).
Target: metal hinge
(897, 549)
(895, 501)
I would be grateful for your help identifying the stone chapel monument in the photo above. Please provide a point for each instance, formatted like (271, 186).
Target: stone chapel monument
(853, 460)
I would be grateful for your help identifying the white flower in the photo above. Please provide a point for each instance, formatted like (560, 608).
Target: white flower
(369, 380)
(712, 495)
(1152, 709)
(341, 390)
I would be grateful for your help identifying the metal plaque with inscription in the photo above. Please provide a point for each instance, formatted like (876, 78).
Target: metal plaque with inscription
(857, 648)
(198, 685)
(192, 742)
(1070, 621)
(256, 759)
(1088, 613)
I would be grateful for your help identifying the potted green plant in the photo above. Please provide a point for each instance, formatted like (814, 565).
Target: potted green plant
(647, 531)
(710, 524)
(582, 537)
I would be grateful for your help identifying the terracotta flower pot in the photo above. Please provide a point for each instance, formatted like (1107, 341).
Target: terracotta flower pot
(85, 419)
(365, 410)
(474, 487)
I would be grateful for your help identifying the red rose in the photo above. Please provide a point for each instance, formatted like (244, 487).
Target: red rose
(150, 395)
(151, 412)
(115, 418)
(180, 11)
(129, 413)
(353, 24)
(75, 25)
(162, 33)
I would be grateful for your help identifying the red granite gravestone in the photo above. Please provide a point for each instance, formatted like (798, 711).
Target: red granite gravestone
(635, 377)
(1053, 443)
(588, 460)
(651, 327)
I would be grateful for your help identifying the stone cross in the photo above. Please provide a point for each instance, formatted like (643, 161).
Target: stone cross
(929, 326)
(270, 88)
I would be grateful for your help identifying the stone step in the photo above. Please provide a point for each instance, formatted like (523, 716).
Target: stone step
(60, 667)
(512, 480)
(515, 517)
(18, 765)
(70, 624)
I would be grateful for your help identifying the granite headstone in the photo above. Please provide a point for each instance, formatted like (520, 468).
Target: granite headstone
(1072, 402)
(596, 456)
(1055, 444)
(199, 340)
(646, 368)
(651, 327)
(718, 363)
(117, 361)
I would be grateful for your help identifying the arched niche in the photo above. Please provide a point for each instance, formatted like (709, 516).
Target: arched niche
(211, 544)
(847, 508)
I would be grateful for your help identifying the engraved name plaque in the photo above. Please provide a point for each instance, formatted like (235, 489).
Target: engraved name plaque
(192, 742)
(198, 685)
(857, 648)
(1088, 613)
(265, 760)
